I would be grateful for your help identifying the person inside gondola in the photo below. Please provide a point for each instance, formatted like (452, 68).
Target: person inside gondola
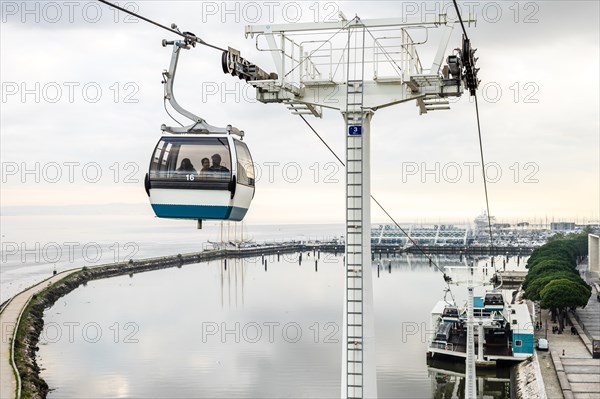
(186, 166)
(216, 166)
(205, 165)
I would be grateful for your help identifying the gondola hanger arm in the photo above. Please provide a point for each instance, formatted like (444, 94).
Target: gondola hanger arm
(199, 126)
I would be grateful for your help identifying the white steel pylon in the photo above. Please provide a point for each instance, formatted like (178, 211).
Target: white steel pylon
(470, 374)
(356, 67)
(358, 374)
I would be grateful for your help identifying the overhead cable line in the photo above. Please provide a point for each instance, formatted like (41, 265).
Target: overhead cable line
(460, 19)
(446, 277)
(186, 35)
(487, 203)
(474, 94)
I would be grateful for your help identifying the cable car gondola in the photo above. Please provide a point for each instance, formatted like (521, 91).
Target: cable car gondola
(201, 177)
(198, 171)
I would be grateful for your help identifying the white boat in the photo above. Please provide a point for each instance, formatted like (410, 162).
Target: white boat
(481, 222)
(507, 329)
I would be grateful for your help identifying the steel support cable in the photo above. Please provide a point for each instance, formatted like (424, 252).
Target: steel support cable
(487, 202)
(378, 203)
(460, 19)
(186, 35)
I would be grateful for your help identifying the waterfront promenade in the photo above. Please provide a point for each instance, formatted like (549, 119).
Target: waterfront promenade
(8, 322)
(568, 369)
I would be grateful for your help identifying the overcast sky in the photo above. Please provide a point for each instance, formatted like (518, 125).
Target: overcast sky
(82, 93)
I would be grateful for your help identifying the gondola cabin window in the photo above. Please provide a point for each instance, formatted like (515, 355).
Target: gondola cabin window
(184, 159)
(245, 166)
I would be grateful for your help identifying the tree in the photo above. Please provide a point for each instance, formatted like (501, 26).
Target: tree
(553, 278)
(563, 294)
(532, 292)
(545, 268)
(556, 237)
(556, 250)
(564, 244)
(558, 256)
(581, 241)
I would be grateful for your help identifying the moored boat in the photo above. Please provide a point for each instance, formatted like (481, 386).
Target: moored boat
(503, 330)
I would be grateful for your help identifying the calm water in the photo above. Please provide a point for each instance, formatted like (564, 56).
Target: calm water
(209, 331)
(61, 238)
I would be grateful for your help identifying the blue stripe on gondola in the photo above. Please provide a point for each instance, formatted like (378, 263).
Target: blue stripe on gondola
(238, 213)
(199, 212)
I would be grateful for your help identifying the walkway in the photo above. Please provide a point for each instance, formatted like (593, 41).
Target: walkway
(8, 321)
(589, 317)
(569, 360)
(578, 373)
(551, 382)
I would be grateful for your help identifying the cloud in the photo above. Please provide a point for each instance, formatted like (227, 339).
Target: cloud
(92, 93)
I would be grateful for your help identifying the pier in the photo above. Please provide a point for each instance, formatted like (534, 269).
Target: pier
(457, 250)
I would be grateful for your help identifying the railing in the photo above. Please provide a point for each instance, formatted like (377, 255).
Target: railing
(389, 55)
(12, 351)
(449, 346)
(401, 52)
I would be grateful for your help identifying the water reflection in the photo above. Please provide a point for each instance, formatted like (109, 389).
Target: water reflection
(259, 327)
(448, 381)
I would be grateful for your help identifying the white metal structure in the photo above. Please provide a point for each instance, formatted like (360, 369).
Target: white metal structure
(355, 67)
(471, 380)
(198, 171)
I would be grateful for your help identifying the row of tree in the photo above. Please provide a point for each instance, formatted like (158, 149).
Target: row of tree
(553, 279)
